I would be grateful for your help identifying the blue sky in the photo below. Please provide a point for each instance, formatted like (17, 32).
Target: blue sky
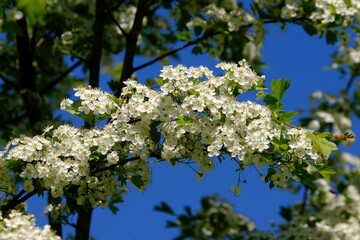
(287, 54)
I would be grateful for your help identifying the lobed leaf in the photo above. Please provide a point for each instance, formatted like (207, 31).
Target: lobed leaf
(321, 144)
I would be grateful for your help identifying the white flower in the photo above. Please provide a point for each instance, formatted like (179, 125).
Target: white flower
(22, 227)
(314, 124)
(66, 103)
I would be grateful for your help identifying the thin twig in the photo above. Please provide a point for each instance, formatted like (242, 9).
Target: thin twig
(350, 82)
(193, 42)
(60, 77)
(123, 162)
(9, 82)
(17, 200)
(116, 5)
(109, 13)
(20, 194)
(27, 196)
(304, 201)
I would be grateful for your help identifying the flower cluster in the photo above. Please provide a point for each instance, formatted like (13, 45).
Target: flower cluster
(325, 11)
(318, 11)
(328, 10)
(235, 19)
(301, 145)
(196, 115)
(95, 101)
(22, 227)
(337, 216)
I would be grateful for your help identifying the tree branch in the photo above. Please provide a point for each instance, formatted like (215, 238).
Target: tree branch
(193, 42)
(97, 44)
(350, 82)
(83, 223)
(27, 77)
(8, 82)
(109, 11)
(123, 162)
(26, 69)
(59, 78)
(131, 44)
(16, 201)
(116, 5)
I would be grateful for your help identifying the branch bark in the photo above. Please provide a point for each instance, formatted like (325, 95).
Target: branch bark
(190, 43)
(109, 12)
(97, 44)
(26, 78)
(131, 44)
(16, 201)
(9, 82)
(83, 223)
(27, 71)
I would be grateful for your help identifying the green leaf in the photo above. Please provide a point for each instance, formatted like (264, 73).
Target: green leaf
(348, 3)
(114, 209)
(88, 118)
(155, 135)
(71, 204)
(164, 207)
(310, 29)
(160, 81)
(299, 171)
(185, 120)
(331, 37)
(197, 50)
(183, 36)
(34, 9)
(279, 87)
(325, 171)
(270, 100)
(138, 181)
(198, 30)
(286, 213)
(271, 171)
(235, 87)
(281, 143)
(321, 144)
(116, 100)
(332, 9)
(285, 117)
(356, 29)
(273, 100)
(193, 92)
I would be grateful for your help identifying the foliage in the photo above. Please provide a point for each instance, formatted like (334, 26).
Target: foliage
(215, 220)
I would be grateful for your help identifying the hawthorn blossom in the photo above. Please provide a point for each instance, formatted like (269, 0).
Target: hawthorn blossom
(22, 227)
(197, 115)
(337, 216)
